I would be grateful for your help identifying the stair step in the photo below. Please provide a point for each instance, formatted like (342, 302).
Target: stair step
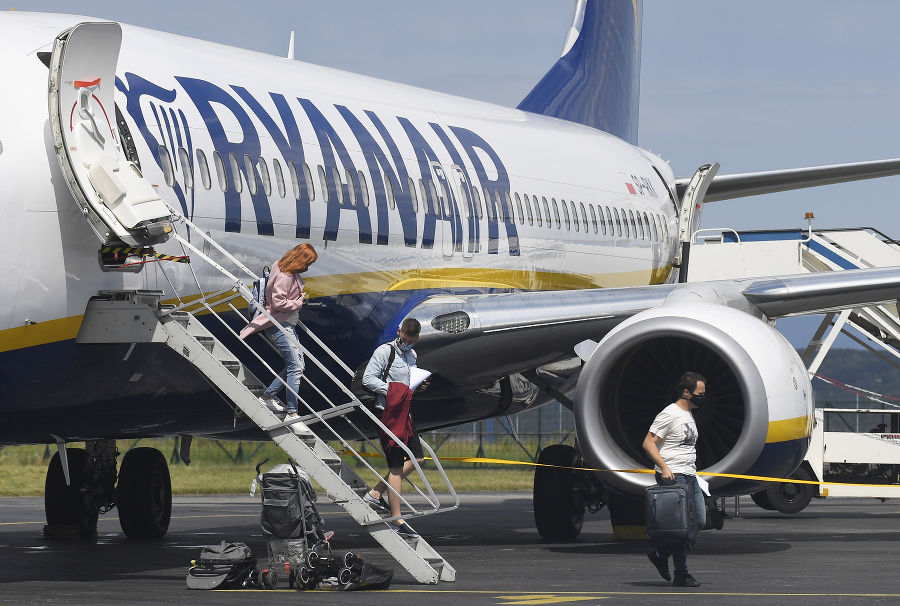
(208, 342)
(232, 365)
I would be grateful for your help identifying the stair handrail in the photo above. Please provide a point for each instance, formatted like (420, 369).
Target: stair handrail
(241, 290)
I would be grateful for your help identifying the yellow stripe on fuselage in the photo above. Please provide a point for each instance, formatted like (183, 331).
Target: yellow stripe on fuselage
(51, 331)
(54, 331)
(789, 429)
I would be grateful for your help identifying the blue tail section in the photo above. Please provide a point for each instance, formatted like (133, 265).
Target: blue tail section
(597, 80)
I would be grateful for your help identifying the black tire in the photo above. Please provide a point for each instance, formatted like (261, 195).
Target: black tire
(271, 578)
(558, 509)
(144, 494)
(761, 498)
(791, 498)
(65, 505)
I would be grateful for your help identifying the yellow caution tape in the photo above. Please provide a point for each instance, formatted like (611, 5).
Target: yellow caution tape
(644, 471)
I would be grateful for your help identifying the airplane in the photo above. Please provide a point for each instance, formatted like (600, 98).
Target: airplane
(543, 251)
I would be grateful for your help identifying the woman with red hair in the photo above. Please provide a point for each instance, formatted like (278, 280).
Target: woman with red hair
(284, 298)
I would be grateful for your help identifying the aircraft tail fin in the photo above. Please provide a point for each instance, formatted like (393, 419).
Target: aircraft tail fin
(596, 81)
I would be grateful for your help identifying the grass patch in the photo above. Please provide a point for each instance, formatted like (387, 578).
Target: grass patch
(229, 468)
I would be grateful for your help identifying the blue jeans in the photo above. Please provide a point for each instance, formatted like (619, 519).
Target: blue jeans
(678, 551)
(292, 355)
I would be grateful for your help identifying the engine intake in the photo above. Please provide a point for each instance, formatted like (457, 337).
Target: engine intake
(754, 377)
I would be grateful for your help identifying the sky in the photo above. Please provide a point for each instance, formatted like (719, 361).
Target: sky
(755, 86)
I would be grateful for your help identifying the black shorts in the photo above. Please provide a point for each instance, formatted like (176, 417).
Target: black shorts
(396, 456)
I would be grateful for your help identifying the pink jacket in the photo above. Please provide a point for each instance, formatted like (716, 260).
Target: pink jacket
(284, 296)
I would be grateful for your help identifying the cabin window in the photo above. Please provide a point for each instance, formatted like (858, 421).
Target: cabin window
(295, 179)
(413, 195)
(220, 171)
(307, 184)
(489, 205)
(584, 220)
(351, 187)
(252, 184)
(528, 210)
(634, 231)
(537, 211)
(435, 200)
(185, 160)
(338, 185)
(323, 184)
(236, 173)
(203, 169)
(547, 212)
(556, 213)
(653, 230)
(279, 177)
(467, 201)
(503, 211)
(593, 217)
(168, 169)
(264, 176)
(389, 191)
(565, 209)
(479, 211)
(618, 222)
(645, 225)
(364, 188)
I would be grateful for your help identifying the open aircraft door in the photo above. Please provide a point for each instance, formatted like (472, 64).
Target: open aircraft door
(119, 203)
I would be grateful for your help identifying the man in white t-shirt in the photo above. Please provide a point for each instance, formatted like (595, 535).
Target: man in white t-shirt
(671, 444)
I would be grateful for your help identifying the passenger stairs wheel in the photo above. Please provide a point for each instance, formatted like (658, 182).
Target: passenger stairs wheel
(558, 508)
(66, 505)
(791, 498)
(144, 494)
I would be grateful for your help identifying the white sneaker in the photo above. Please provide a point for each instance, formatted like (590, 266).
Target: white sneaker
(299, 426)
(273, 404)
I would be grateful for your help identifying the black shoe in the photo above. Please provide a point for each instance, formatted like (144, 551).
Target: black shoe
(685, 581)
(662, 565)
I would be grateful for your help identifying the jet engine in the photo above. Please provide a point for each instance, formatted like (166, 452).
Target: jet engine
(758, 413)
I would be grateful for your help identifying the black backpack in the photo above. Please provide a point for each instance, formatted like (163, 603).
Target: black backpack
(366, 396)
(225, 564)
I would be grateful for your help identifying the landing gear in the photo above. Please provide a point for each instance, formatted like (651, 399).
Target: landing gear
(558, 505)
(68, 505)
(144, 494)
(786, 497)
(791, 498)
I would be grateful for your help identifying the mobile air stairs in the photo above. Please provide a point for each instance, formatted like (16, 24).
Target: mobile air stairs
(141, 317)
(725, 253)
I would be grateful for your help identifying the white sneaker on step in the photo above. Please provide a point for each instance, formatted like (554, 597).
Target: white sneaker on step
(273, 404)
(298, 427)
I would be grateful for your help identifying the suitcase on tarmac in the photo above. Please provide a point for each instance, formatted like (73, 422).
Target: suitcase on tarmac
(670, 513)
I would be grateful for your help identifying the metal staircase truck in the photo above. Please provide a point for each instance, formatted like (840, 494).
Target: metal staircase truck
(141, 316)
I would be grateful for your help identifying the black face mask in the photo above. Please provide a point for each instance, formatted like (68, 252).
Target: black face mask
(698, 399)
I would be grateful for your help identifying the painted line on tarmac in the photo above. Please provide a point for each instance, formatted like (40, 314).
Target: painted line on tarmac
(558, 597)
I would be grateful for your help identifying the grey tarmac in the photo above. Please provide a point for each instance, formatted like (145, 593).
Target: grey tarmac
(837, 551)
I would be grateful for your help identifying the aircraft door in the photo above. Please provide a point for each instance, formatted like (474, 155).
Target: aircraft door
(119, 203)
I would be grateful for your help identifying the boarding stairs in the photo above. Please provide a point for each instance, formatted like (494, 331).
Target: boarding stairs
(727, 254)
(135, 316)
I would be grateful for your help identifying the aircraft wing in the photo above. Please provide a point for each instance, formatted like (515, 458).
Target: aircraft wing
(476, 338)
(726, 187)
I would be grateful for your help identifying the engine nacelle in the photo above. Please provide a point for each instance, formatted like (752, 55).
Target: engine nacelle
(757, 419)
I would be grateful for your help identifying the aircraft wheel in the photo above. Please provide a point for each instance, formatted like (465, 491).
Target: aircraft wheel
(66, 505)
(791, 498)
(558, 508)
(761, 498)
(144, 494)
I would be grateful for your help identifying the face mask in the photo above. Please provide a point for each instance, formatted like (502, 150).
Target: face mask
(403, 346)
(698, 399)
